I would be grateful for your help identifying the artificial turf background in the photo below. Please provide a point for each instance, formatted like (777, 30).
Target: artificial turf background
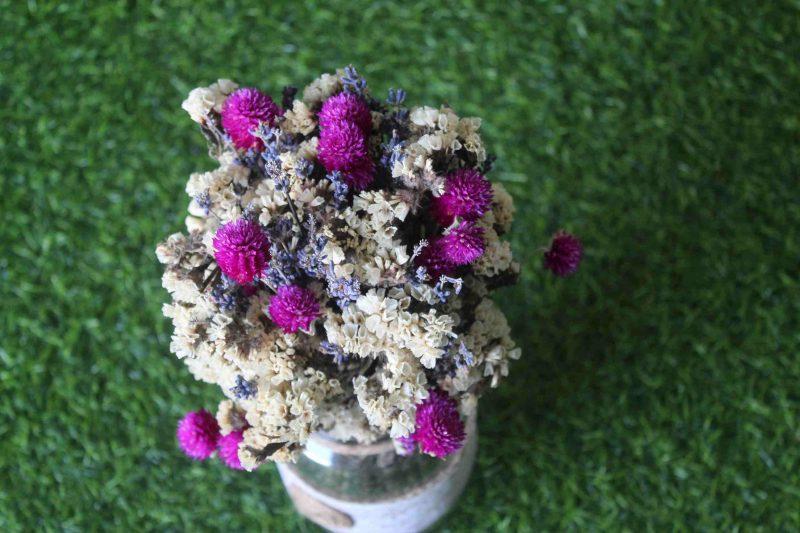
(660, 386)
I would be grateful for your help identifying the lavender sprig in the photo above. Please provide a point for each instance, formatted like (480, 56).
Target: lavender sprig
(418, 275)
(282, 268)
(442, 291)
(393, 151)
(335, 351)
(279, 229)
(352, 81)
(275, 141)
(244, 389)
(344, 290)
(303, 168)
(341, 190)
(465, 356)
(203, 201)
(452, 359)
(311, 258)
(396, 97)
(227, 294)
(226, 301)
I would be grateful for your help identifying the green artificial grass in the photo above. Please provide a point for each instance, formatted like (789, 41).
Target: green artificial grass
(659, 387)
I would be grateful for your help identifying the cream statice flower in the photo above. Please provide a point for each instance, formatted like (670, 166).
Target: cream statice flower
(203, 100)
(331, 286)
(299, 119)
(321, 89)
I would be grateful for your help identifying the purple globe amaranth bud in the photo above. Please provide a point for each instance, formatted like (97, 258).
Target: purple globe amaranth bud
(198, 434)
(293, 308)
(439, 428)
(564, 255)
(243, 111)
(229, 449)
(463, 244)
(467, 194)
(241, 249)
(342, 145)
(435, 261)
(345, 107)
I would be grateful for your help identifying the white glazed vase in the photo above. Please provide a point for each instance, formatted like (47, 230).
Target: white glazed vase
(369, 488)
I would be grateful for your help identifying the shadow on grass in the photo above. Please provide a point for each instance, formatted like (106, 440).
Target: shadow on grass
(568, 329)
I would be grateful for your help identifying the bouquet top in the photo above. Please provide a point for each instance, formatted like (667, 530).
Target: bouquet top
(336, 271)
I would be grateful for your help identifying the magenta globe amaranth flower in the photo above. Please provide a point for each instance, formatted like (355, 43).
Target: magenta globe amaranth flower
(345, 107)
(435, 261)
(463, 244)
(467, 194)
(342, 146)
(360, 175)
(439, 429)
(198, 434)
(564, 255)
(243, 111)
(229, 449)
(241, 249)
(293, 308)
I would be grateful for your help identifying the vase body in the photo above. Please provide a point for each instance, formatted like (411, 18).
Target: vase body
(360, 488)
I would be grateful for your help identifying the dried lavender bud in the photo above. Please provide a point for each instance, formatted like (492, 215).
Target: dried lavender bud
(203, 201)
(341, 189)
(288, 95)
(393, 151)
(328, 348)
(396, 97)
(344, 290)
(244, 389)
(352, 81)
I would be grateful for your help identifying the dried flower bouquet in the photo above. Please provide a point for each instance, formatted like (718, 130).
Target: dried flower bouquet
(337, 270)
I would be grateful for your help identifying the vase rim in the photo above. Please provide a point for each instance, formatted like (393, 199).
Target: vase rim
(325, 440)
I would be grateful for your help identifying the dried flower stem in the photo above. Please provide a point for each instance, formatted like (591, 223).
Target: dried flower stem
(211, 279)
(293, 210)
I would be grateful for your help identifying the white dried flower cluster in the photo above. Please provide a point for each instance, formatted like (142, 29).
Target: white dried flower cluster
(380, 322)
(321, 89)
(299, 119)
(202, 100)
(436, 134)
(383, 326)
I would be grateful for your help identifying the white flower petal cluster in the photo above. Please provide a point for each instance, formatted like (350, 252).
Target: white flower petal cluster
(489, 339)
(381, 326)
(320, 89)
(502, 208)
(436, 134)
(299, 119)
(386, 333)
(202, 100)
